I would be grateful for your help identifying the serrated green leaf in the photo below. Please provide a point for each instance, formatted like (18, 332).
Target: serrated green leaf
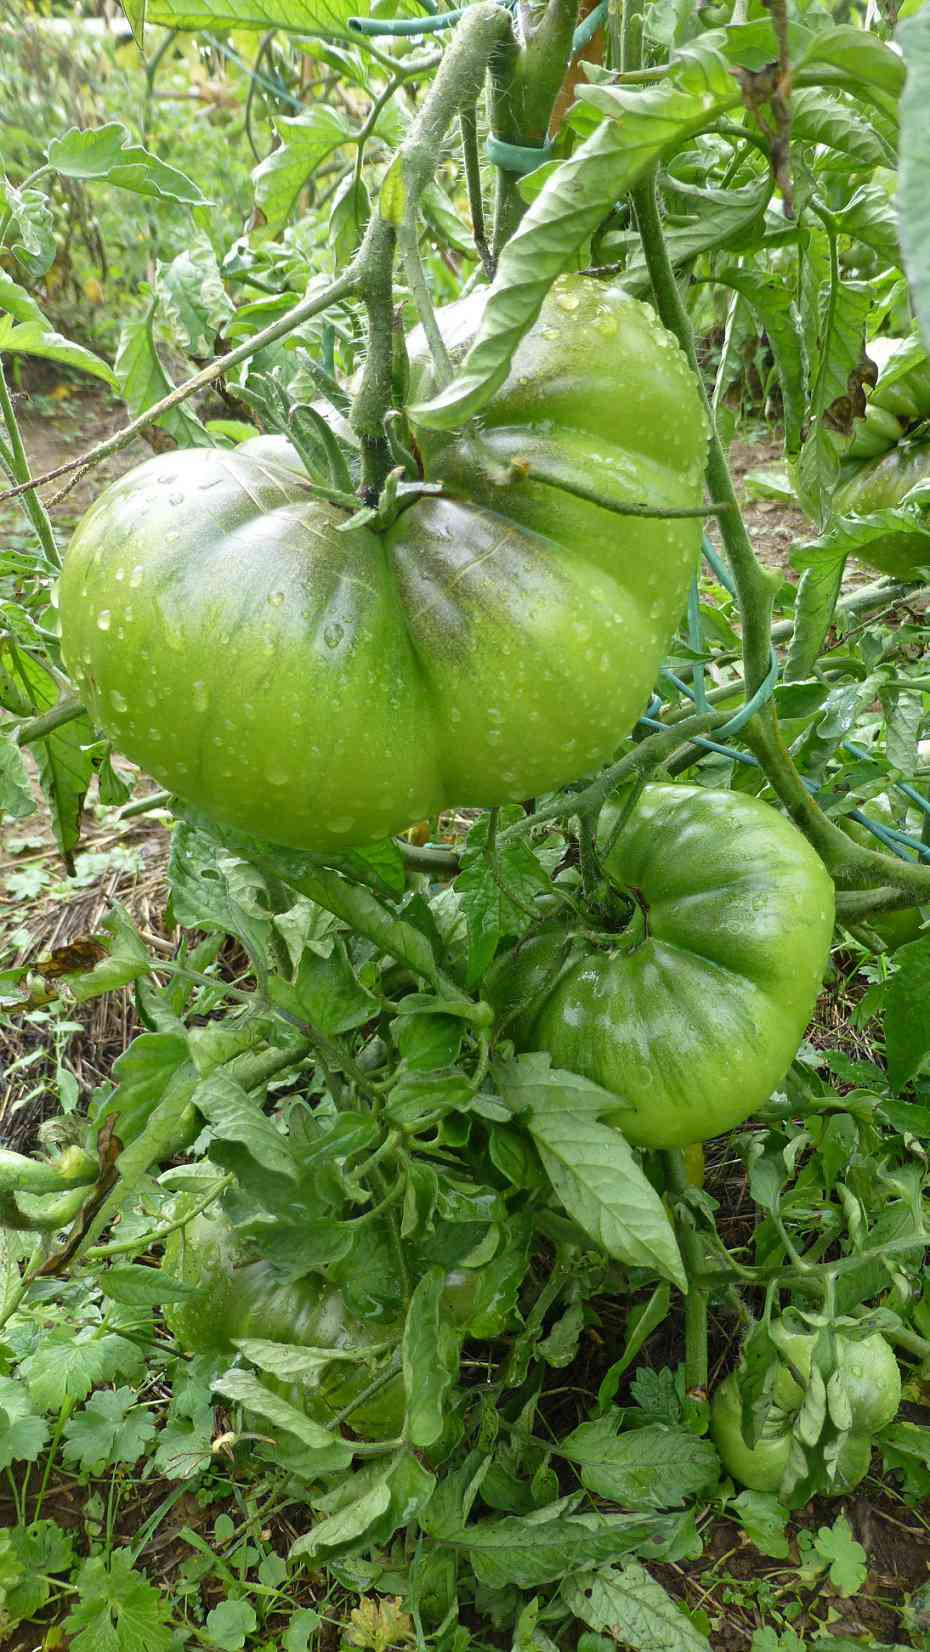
(16, 799)
(576, 198)
(306, 141)
(907, 1024)
(598, 1180)
(142, 1287)
(656, 1467)
(143, 381)
(244, 1388)
(107, 152)
(635, 1608)
(324, 18)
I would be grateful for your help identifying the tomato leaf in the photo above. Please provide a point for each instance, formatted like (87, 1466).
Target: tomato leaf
(656, 1467)
(326, 18)
(37, 338)
(16, 799)
(635, 1608)
(430, 1361)
(244, 1388)
(347, 1524)
(531, 1552)
(234, 1115)
(595, 1175)
(108, 152)
(907, 1025)
(305, 142)
(577, 196)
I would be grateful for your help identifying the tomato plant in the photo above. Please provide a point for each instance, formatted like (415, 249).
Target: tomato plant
(487, 1071)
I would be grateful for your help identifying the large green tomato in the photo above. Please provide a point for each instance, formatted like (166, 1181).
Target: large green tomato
(243, 1299)
(695, 1015)
(321, 688)
(873, 1387)
(881, 484)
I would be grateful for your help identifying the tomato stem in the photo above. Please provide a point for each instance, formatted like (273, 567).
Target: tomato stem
(692, 1251)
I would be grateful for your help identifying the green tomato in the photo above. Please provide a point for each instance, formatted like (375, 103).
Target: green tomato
(875, 433)
(762, 1467)
(694, 1026)
(880, 484)
(869, 1367)
(873, 1387)
(243, 1299)
(907, 397)
(321, 688)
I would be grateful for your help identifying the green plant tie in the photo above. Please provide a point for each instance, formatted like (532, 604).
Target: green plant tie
(589, 26)
(718, 569)
(406, 25)
(898, 843)
(910, 792)
(696, 644)
(515, 157)
(275, 87)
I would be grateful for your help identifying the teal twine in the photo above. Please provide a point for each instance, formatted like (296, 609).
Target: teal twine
(514, 157)
(276, 87)
(717, 568)
(375, 26)
(589, 27)
(696, 644)
(762, 695)
(910, 792)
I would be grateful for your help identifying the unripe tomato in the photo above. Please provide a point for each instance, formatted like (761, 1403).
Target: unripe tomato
(242, 1299)
(693, 1023)
(873, 1387)
(322, 688)
(880, 484)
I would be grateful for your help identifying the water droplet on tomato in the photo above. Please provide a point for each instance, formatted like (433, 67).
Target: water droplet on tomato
(166, 476)
(119, 701)
(135, 578)
(120, 574)
(276, 598)
(200, 695)
(175, 498)
(333, 634)
(155, 734)
(277, 777)
(342, 823)
(104, 619)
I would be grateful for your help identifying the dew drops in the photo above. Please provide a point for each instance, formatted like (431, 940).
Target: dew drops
(104, 619)
(118, 700)
(200, 695)
(567, 301)
(333, 634)
(135, 578)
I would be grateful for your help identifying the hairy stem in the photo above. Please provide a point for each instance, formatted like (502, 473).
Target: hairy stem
(35, 510)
